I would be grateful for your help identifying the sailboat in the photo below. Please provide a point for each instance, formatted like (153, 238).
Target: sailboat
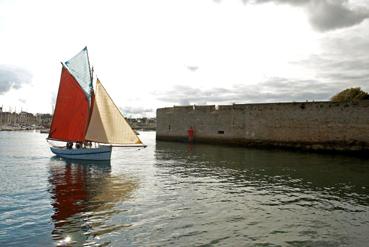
(86, 121)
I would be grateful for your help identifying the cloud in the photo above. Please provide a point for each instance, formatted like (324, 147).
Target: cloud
(136, 110)
(272, 90)
(185, 95)
(341, 61)
(326, 15)
(192, 68)
(13, 77)
(291, 2)
(343, 58)
(346, 70)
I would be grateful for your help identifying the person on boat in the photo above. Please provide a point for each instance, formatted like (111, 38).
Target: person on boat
(87, 144)
(78, 145)
(69, 145)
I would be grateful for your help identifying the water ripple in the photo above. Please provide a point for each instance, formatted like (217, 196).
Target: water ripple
(173, 194)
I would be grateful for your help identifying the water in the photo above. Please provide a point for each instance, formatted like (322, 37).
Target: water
(174, 194)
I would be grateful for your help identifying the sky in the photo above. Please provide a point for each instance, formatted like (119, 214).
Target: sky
(159, 53)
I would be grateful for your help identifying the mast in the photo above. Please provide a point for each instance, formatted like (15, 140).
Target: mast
(91, 70)
(92, 94)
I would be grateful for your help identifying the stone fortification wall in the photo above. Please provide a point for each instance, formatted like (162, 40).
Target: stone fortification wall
(305, 125)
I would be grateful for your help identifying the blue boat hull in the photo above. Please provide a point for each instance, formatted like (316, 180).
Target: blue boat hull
(99, 153)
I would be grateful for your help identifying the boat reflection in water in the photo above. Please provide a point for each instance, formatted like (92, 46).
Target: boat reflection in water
(85, 196)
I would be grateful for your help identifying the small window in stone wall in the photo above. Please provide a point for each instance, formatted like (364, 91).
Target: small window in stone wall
(221, 132)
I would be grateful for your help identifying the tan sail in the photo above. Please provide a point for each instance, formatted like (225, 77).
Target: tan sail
(107, 124)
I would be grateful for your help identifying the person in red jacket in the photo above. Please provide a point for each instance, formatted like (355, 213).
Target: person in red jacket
(190, 133)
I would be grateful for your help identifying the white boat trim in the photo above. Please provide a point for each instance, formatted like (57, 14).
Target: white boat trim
(124, 145)
(98, 153)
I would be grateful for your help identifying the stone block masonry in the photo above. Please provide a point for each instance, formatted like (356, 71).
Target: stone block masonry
(300, 125)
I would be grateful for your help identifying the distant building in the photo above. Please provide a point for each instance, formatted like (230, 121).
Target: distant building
(142, 123)
(44, 119)
(24, 120)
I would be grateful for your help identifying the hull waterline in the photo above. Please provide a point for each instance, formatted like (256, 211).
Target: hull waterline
(99, 153)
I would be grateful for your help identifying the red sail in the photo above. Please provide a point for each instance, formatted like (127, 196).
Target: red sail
(71, 112)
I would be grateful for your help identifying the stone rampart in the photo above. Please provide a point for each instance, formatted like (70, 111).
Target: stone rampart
(302, 125)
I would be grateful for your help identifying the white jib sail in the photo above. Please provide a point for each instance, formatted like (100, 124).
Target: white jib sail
(79, 66)
(107, 124)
